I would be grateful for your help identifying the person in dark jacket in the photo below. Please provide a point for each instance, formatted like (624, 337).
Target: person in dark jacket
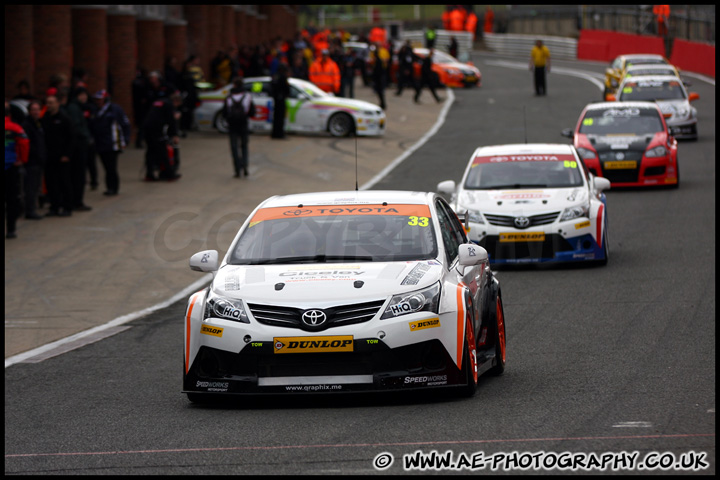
(36, 159)
(238, 127)
(139, 103)
(59, 137)
(89, 110)
(81, 144)
(111, 131)
(406, 68)
(379, 75)
(160, 127)
(427, 78)
(280, 89)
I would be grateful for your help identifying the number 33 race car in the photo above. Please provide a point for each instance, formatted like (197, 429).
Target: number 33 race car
(342, 292)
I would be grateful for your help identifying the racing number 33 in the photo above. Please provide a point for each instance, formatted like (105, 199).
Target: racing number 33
(419, 221)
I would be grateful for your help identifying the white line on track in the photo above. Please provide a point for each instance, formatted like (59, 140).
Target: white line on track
(101, 331)
(595, 78)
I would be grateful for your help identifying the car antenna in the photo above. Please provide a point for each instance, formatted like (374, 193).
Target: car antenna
(525, 124)
(356, 166)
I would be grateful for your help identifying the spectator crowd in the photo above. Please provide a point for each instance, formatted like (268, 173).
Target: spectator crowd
(55, 141)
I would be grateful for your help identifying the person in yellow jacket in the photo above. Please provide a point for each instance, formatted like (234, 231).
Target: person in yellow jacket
(540, 65)
(325, 73)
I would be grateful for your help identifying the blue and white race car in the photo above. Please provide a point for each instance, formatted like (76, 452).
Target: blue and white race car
(308, 110)
(342, 292)
(533, 203)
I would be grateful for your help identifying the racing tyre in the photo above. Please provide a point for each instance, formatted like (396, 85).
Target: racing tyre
(469, 362)
(500, 339)
(220, 123)
(341, 125)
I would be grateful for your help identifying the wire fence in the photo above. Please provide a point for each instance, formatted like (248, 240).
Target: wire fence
(688, 22)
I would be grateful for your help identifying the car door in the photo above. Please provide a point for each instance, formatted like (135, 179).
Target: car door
(301, 114)
(260, 91)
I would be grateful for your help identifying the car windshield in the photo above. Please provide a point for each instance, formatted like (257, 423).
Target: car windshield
(524, 171)
(647, 61)
(309, 88)
(650, 70)
(337, 233)
(442, 57)
(626, 120)
(652, 90)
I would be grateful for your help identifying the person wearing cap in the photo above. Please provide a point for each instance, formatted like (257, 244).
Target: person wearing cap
(36, 159)
(325, 73)
(161, 130)
(111, 130)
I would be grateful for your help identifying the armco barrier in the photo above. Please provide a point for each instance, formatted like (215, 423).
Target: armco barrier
(694, 57)
(518, 44)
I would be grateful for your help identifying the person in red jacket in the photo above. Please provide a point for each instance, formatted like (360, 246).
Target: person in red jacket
(17, 148)
(325, 73)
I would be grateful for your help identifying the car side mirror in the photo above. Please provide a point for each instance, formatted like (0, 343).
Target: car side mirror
(470, 254)
(601, 184)
(567, 132)
(448, 186)
(205, 261)
(693, 96)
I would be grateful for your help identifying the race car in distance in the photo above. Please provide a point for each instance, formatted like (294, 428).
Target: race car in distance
(645, 70)
(616, 72)
(450, 71)
(532, 203)
(628, 143)
(308, 110)
(341, 292)
(670, 95)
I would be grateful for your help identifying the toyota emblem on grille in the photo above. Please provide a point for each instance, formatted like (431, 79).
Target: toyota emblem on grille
(314, 318)
(522, 222)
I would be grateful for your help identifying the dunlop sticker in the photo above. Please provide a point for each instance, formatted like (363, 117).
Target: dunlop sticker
(337, 343)
(523, 237)
(423, 324)
(210, 330)
(582, 224)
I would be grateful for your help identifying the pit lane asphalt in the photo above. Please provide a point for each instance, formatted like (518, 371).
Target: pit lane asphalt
(66, 276)
(599, 359)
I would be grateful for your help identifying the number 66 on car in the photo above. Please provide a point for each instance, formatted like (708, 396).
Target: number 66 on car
(341, 292)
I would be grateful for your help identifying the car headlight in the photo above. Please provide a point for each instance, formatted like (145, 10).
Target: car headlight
(586, 153)
(656, 152)
(426, 300)
(475, 217)
(575, 212)
(225, 309)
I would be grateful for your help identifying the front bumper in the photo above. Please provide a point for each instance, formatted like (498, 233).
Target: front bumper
(571, 241)
(684, 130)
(371, 366)
(645, 172)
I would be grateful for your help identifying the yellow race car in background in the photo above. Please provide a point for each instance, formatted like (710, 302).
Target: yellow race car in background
(616, 72)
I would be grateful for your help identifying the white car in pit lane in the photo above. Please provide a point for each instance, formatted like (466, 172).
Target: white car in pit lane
(344, 291)
(532, 203)
(668, 91)
(308, 110)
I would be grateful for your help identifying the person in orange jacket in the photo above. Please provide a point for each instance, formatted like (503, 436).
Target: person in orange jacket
(325, 73)
(489, 19)
(662, 13)
(471, 24)
(446, 17)
(17, 148)
(457, 20)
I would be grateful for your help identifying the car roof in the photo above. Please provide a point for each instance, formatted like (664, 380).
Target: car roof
(349, 197)
(524, 148)
(633, 104)
(651, 66)
(635, 56)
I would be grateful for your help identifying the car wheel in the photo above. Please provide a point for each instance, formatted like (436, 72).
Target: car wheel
(606, 250)
(500, 339)
(677, 172)
(220, 123)
(341, 125)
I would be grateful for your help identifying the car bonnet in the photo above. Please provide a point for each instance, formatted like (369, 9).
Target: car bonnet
(521, 201)
(324, 284)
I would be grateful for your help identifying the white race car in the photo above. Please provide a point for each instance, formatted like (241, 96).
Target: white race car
(532, 203)
(669, 93)
(344, 291)
(308, 110)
